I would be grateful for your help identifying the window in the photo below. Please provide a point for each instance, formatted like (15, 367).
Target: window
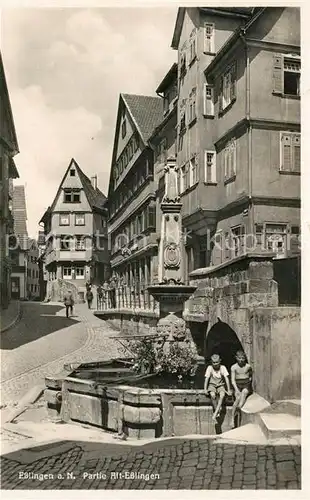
(151, 217)
(290, 152)
(192, 106)
(124, 128)
(192, 48)
(182, 124)
(208, 101)
(276, 238)
(230, 160)
(140, 223)
(291, 77)
(161, 150)
(238, 240)
(193, 175)
(182, 65)
(210, 167)
(209, 47)
(67, 272)
(72, 196)
(286, 75)
(228, 87)
(72, 172)
(66, 242)
(184, 179)
(79, 242)
(64, 219)
(79, 272)
(79, 220)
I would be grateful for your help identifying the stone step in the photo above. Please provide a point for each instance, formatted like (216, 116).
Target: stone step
(278, 425)
(250, 433)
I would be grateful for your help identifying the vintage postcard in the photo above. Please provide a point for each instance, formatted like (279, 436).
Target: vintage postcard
(150, 211)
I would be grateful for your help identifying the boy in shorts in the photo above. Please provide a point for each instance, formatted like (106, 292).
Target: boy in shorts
(241, 380)
(216, 378)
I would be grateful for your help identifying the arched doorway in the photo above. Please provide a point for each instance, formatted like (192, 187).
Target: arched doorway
(222, 340)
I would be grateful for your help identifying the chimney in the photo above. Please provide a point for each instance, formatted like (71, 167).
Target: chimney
(94, 181)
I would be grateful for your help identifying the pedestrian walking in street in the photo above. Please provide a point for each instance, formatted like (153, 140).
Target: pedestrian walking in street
(89, 298)
(106, 293)
(241, 380)
(99, 296)
(216, 378)
(88, 285)
(112, 292)
(69, 303)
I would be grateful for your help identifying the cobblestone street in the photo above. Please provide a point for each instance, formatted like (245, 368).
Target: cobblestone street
(44, 340)
(182, 464)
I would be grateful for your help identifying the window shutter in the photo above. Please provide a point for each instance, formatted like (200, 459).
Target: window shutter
(296, 153)
(220, 94)
(286, 147)
(278, 74)
(233, 76)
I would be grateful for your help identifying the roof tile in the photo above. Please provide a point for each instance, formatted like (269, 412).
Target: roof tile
(147, 112)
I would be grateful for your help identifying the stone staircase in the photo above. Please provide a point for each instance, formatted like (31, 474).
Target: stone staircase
(262, 422)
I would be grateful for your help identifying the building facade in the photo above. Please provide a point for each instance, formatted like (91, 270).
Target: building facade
(238, 134)
(75, 229)
(132, 192)
(19, 245)
(8, 172)
(33, 282)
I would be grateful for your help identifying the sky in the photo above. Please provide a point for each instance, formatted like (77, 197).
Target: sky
(65, 69)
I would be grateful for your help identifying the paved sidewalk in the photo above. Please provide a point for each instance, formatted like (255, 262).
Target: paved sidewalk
(183, 463)
(85, 340)
(10, 316)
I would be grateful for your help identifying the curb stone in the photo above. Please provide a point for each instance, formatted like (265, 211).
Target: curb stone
(15, 321)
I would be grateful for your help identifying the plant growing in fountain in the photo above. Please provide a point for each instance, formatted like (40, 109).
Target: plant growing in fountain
(158, 356)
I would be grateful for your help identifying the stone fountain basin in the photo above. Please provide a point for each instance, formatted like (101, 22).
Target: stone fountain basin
(107, 395)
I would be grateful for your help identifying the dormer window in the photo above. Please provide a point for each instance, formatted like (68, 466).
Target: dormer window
(72, 195)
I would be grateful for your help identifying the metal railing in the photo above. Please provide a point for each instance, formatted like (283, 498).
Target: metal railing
(126, 297)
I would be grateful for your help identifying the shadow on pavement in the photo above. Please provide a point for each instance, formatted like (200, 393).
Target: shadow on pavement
(38, 320)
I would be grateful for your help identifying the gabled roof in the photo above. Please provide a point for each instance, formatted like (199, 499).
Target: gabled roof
(145, 111)
(20, 215)
(243, 12)
(6, 101)
(170, 76)
(95, 197)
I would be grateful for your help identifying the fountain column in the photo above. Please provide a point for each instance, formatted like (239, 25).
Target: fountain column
(171, 292)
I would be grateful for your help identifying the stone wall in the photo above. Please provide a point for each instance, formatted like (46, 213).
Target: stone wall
(276, 344)
(56, 289)
(129, 321)
(242, 295)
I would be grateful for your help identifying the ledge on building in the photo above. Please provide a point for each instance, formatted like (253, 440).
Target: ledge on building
(129, 312)
(206, 271)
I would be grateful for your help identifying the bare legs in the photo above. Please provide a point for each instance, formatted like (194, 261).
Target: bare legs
(217, 407)
(240, 398)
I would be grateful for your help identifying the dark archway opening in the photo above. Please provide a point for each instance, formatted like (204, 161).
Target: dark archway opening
(222, 340)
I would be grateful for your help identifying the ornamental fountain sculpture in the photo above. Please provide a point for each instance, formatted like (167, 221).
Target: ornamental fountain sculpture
(171, 291)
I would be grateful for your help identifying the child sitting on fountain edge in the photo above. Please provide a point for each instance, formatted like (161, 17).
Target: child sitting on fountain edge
(216, 378)
(241, 380)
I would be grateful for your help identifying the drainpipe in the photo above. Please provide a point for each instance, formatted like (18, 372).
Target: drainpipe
(249, 130)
